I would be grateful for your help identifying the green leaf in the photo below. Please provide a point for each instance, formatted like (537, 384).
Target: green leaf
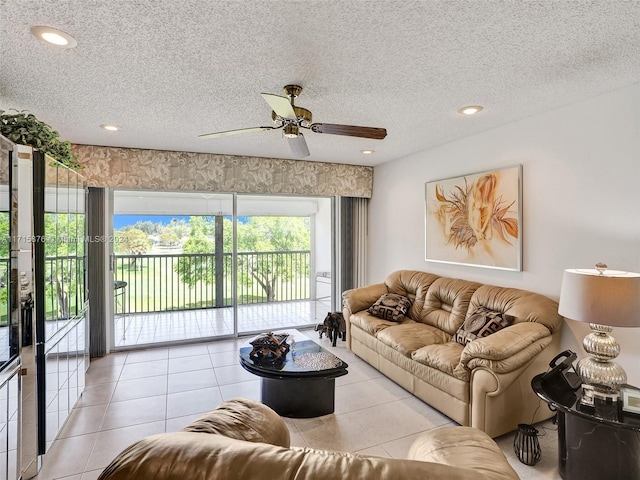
(24, 128)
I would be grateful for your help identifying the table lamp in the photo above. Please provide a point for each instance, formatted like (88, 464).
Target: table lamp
(604, 299)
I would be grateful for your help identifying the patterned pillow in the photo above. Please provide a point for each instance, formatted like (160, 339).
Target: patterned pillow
(391, 306)
(482, 323)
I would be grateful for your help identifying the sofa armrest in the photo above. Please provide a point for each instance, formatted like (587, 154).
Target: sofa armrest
(507, 349)
(463, 447)
(358, 299)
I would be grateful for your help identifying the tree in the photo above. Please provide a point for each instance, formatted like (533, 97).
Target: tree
(179, 227)
(266, 237)
(64, 247)
(132, 241)
(169, 239)
(4, 235)
(149, 227)
(4, 272)
(198, 268)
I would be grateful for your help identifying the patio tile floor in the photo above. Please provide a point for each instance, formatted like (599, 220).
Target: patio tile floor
(132, 330)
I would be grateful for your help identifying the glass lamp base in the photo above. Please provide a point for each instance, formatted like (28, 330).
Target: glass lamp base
(602, 377)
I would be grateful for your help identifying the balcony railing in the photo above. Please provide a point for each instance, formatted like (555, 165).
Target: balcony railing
(64, 287)
(159, 283)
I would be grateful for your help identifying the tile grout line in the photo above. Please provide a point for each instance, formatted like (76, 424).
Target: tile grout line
(93, 449)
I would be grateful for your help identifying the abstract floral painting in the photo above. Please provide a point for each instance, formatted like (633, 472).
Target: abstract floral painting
(476, 219)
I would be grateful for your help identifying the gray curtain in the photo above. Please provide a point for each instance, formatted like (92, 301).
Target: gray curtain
(96, 207)
(353, 240)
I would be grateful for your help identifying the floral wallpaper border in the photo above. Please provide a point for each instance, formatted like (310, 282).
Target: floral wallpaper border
(117, 167)
(5, 143)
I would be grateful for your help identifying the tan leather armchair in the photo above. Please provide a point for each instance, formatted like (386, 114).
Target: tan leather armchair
(243, 439)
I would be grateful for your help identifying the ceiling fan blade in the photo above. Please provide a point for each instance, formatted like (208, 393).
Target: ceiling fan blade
(233, 132)
(298, 146)
(349, 130)
(280, 105)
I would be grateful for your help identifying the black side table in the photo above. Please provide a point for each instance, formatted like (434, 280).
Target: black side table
(599, 442)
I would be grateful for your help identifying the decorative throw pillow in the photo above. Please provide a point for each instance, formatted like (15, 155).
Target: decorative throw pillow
(482, 323)
(391, 306)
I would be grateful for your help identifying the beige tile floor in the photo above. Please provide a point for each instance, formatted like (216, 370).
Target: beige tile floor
(130, 395)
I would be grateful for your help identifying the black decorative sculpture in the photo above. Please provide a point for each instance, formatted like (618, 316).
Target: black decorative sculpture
(269, 348)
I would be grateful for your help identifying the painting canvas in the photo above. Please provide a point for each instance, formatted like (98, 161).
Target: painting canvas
(476, 219)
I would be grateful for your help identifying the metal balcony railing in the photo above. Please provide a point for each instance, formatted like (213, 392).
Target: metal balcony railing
(64, 287)
(159, 283)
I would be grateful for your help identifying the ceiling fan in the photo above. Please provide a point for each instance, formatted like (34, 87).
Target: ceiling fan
(292, 118)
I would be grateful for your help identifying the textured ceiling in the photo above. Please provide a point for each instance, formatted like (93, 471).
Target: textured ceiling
(168, 70)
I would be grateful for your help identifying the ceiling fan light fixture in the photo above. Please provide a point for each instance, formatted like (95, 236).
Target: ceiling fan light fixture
(53, 36)
(291, 131)
(470, 109)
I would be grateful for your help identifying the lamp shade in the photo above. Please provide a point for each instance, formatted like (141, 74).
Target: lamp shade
(604, 297)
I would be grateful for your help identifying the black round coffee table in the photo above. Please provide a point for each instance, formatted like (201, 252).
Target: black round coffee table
(302, 385)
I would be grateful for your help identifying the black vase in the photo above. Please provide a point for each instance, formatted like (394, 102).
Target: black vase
(526, 444)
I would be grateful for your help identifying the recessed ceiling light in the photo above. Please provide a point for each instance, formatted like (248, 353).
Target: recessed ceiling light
(470, 109)
(54, 36)
(111, 128)
(367, 152)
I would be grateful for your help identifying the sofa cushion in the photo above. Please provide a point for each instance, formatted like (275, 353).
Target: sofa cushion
(409, 337)
(411, 284)
(447, 303)
(525, 306)
(464, 447)
(372, 325)
(444, 356)
(391, 306)
(482, 323)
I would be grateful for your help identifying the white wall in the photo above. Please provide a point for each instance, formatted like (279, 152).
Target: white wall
(581, 200)
(323, 235)
(322, 248)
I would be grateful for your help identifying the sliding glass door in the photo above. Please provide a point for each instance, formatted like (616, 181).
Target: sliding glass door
(177, 276)
(283, 262)
(172, 274)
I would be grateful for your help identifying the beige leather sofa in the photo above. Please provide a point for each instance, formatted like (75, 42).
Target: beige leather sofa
(246, 440)
(485, 384)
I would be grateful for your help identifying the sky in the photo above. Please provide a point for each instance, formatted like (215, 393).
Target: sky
(120, 221)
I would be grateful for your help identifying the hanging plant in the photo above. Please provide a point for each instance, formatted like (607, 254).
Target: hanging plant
(24, 128)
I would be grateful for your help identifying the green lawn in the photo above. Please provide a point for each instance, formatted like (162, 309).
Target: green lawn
(153, 286)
